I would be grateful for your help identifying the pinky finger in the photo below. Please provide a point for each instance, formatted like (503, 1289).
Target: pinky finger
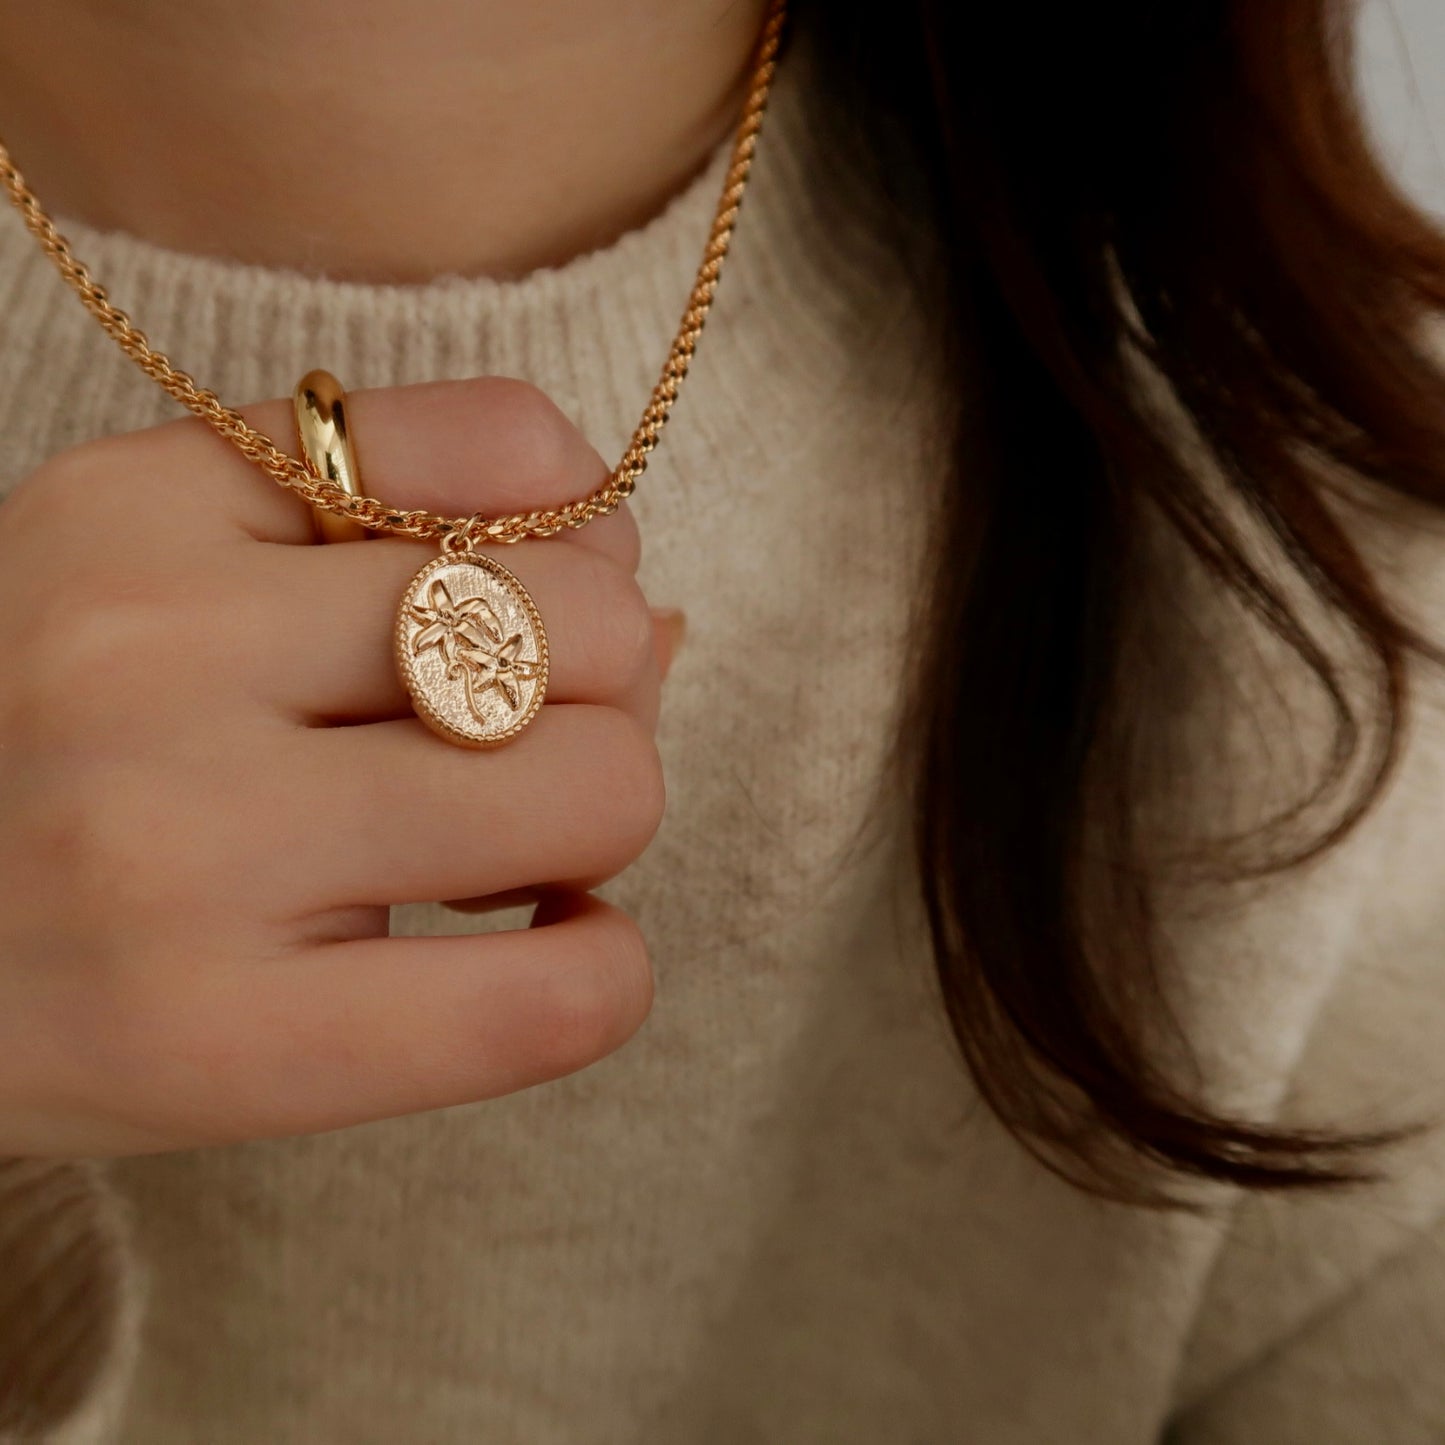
(342, 1033)
(405, 1025)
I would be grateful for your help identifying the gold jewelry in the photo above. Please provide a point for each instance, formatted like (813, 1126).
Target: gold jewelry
(325, 438)
(469, 642)
(458, 536)
(471, 648)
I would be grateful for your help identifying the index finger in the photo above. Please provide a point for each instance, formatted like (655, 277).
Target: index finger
(488, 444)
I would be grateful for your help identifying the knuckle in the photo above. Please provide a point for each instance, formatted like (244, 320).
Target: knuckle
(58, 836)
(599, 997)
(630, 773)
(168, 1060)
(116, 484)
(89, 667)
(541, 428)
(121, 1017)
(620, 525)
(76, 484)
(621, 645)
(126, 848)
(60, 492)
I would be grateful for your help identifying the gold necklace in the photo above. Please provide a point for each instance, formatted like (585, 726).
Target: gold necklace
(465, 623)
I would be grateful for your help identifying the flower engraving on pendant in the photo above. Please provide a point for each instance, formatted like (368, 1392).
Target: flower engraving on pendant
(471, 650)
(475, 645)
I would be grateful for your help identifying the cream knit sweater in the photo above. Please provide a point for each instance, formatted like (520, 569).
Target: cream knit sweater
(778, 1214)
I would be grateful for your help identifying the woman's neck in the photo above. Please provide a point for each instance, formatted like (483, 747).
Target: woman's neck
(371, 140)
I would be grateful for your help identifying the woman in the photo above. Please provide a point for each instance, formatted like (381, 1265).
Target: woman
(1053, 509)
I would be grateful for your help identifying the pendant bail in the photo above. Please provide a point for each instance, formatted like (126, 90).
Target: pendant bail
(456, 542)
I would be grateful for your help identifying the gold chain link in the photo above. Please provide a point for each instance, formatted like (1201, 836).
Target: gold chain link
(296, 475)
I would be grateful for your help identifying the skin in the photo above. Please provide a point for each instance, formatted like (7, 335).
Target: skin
(469, 136)
(206, 809)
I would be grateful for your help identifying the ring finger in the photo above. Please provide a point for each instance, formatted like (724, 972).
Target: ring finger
(570, 802)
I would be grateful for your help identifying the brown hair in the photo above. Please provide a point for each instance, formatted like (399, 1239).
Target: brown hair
(1189, 184)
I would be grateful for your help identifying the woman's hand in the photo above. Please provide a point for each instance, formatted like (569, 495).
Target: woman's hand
(196, 855)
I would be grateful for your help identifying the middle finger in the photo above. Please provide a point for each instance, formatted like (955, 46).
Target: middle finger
(339, 667)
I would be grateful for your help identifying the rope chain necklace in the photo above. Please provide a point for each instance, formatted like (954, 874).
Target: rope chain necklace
(469, 642)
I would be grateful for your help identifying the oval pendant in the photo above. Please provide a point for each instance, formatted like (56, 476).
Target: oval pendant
(471, 650)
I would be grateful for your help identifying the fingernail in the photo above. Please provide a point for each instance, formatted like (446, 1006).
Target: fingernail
(667, 635)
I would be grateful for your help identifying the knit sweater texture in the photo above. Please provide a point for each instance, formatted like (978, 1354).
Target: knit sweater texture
(779, 1213)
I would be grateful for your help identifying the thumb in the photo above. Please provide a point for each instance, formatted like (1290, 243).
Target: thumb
(669, 627)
